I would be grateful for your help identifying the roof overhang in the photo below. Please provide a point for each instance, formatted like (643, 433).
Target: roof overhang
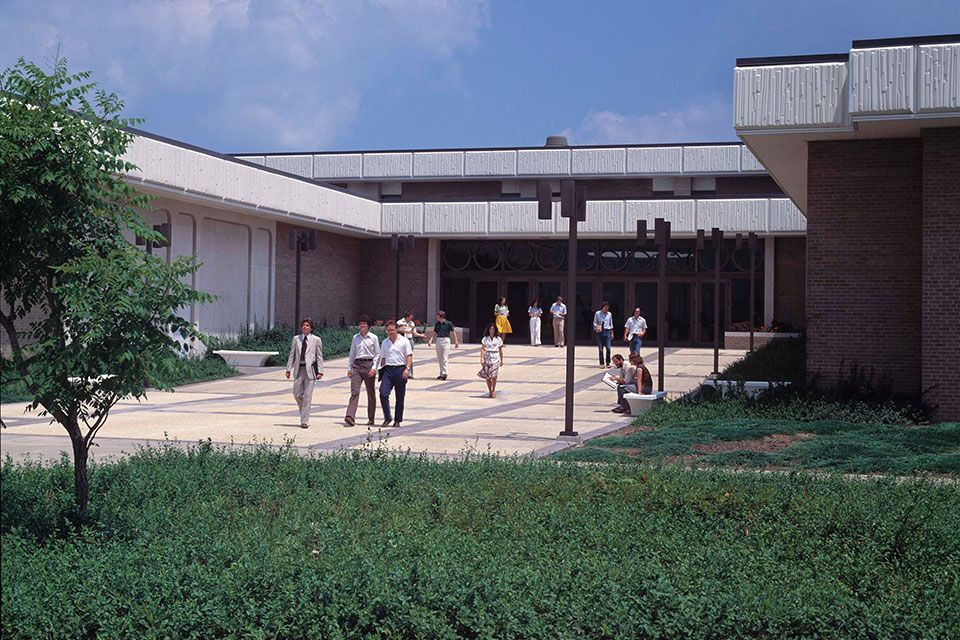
(880, 89)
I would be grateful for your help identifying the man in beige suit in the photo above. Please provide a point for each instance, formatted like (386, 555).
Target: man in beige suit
(306, 364)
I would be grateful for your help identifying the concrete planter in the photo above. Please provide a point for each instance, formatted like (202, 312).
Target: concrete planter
(741, 339)
(246, 358)
(751, 388)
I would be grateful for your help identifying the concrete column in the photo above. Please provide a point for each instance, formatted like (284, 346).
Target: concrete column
(768, 275)
(433, 277)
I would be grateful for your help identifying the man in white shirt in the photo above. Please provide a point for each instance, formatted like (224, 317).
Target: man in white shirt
(363, 349)
(306, 363)
(634, 330)
(408, 329)
(559, 312)
(394, 362)
(603, 328)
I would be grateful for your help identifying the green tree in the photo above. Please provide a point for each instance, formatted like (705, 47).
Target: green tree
(109, 325)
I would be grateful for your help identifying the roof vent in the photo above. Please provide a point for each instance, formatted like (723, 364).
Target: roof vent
(556, 141)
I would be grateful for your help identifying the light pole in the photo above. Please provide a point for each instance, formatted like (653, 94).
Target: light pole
(716, 237)
(300, 240)
(573, 206)
(661, 233)
(399, 244)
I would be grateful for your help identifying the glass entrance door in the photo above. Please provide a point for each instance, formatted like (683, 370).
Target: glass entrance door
(584, 312)
(645, 297)
(706, 312)
(616, 294)
(679, 312)
(484, 299)
(518, 299)
(547, 291)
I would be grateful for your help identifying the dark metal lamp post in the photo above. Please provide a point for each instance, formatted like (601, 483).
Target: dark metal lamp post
(716, 238)
(301, 240)
(399, 244)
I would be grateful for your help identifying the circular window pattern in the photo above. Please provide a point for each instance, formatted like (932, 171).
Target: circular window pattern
(586, 256)
(646, 260)
(487, 256)
(680, 259)
(707, 258)
(741, 260)
(456, 256)
(550, 257)
(614, 258)
(519, 257)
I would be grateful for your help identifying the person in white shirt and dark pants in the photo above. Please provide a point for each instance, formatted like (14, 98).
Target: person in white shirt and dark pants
(363, 350)
(534, 311)
(603, 328)
(394, 362)
(634, 330)
(305, 362)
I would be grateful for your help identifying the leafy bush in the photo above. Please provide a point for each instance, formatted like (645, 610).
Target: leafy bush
(12, 387)
(263, 543)
(778, 360)
(336, 341)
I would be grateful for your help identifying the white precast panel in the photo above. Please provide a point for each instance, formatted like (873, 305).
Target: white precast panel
(438, 164)
(508, 218)
(733, 215)
(490, 163)
(338, 165)
(543, 162)
(646, 160)
(402, 217)
(801, 95)
(261, 282)
(297, 165)
(680, 213)
(882, 80)
(455, 217)
(785, 216)
(604, 216)
(224, 253)
(939, 71)
(598, 161)
(748, 161)
(711, 159)
(388, 165)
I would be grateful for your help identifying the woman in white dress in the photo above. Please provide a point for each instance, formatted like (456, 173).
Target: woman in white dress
(534, 311)
(491, 358)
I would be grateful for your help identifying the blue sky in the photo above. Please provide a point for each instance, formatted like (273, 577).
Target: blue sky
(287, 75)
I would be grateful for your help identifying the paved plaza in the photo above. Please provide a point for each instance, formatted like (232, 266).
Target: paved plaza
(442, 419)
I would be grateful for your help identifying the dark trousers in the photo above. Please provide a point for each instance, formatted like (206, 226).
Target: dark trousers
(635, 343)
(603, 342)
(622, 389)
(392, 378)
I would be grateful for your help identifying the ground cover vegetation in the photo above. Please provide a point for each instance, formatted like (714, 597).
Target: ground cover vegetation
(336, 341)
(205, 543)
(107, 325)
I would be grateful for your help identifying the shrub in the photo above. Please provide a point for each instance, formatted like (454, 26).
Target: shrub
(202, 543)
(778, 360)
(336, 341)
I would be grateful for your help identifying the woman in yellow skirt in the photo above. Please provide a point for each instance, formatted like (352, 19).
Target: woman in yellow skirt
(501, 314)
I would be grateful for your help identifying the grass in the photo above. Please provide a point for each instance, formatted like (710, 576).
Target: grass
(263, 543)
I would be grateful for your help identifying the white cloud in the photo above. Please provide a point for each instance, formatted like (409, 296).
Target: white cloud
(709, 120)
(268, 74)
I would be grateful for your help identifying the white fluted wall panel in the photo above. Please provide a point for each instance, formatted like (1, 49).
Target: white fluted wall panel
(387, 165)
(297, 165)
(711, 159)
(598, 161)
(490, 163)
(802, 95)
(439, 164)
(604, 216)
(341, 165)
(939, 70)
(543, 161)
(680, 213)
(402, 217)
(646, 160)
(785, 216)
(881, 80)
(455, 217)
(748, 161)
(733, 215)
(517, 217)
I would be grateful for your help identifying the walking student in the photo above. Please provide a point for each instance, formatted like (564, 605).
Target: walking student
(491, 358)
(634, 330)
(364, 348)
(534, 311)
(501, 314)
(442, 332)
(408, 329)
(305, 363)
(559, 312)
(603, 328)
(393, 361)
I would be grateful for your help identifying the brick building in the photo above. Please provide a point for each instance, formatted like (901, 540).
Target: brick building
(867, 144)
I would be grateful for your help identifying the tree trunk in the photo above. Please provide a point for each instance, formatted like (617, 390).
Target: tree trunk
(81, 489)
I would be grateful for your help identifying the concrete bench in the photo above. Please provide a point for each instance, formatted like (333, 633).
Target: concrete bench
(750, 388)
(246, 358)
(641, 403)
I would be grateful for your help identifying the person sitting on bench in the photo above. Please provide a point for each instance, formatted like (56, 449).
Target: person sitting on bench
(626, 382)
(634, 374)
(643, 374)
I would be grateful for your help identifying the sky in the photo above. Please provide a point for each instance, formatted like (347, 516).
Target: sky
(241, 76)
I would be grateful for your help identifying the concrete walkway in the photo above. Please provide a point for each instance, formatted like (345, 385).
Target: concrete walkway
(442, 419)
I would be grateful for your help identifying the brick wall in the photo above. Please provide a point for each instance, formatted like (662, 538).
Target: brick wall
(789, 281)
(748, 186)
(330, 278)
(941, 271)
(864, 259)
(450, 191)
(378, 278)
